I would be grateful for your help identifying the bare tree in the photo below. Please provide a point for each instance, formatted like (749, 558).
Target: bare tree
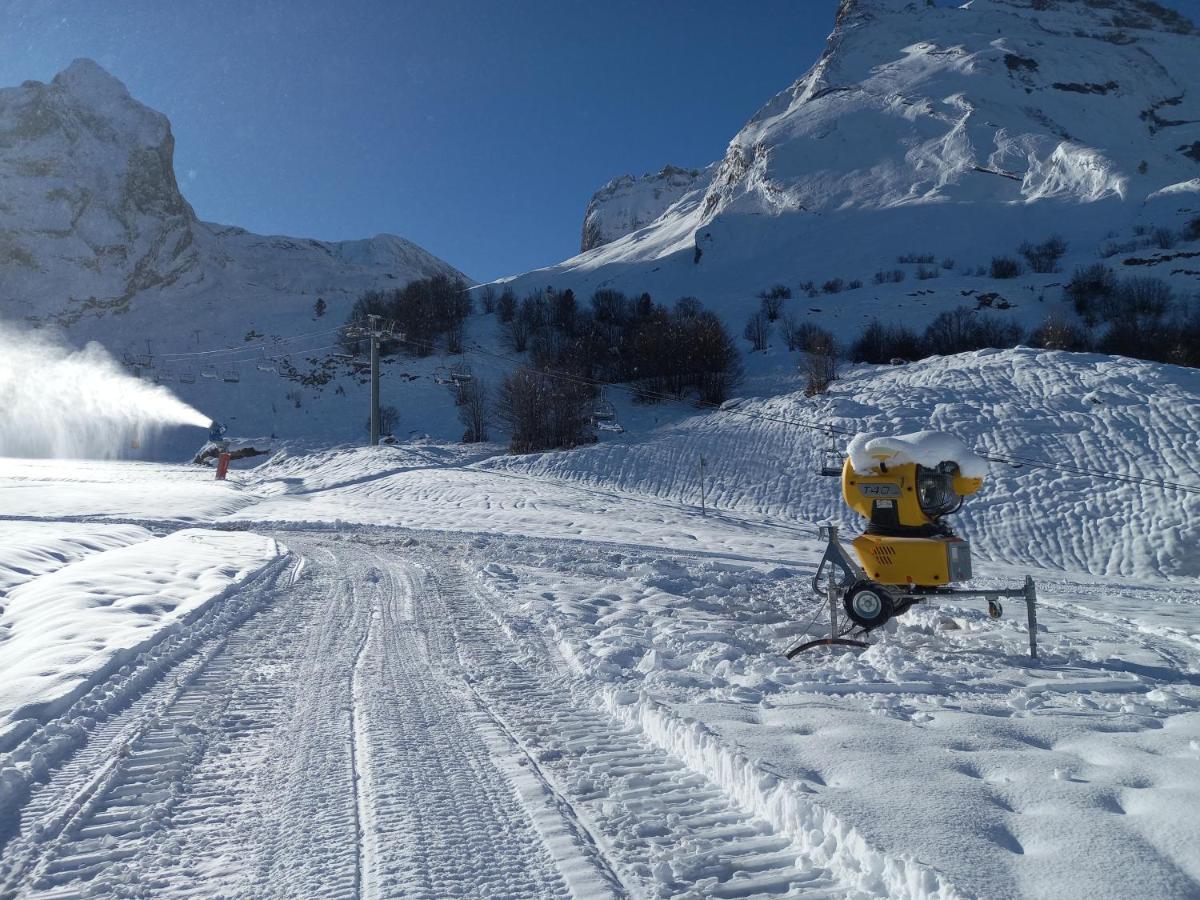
(544, 413)
(1043, 258)
(771, 306)
(473, 411)
(454, 337)
(519, 330)
(487, 298)
(820, 363)
(758, 330)
(790, 330)
(506, 305)
(389, 418)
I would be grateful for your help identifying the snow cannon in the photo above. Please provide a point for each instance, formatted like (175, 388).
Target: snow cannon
(906, 541)
(905, 487)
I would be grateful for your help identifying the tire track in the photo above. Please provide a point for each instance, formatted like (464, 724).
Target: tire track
(666, 830)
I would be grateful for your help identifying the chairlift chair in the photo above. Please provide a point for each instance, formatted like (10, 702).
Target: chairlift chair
(209, 372)
(187, 376)
(832, 458)
(231, 376)
(266, 364)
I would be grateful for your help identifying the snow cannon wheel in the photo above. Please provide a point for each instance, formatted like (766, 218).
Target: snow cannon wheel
(868, 605)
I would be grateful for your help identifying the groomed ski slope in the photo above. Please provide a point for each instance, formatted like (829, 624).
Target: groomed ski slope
(455, 676)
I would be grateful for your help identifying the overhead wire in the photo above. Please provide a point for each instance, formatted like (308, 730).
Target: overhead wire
(1013, 460)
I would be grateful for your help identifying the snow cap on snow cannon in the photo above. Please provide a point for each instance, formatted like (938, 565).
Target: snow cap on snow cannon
(904, 484)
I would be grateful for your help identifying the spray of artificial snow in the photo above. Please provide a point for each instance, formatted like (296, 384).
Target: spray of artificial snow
(61, 402)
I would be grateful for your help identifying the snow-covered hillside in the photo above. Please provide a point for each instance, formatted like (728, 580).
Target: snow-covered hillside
(97, 240)
(1086, 411)
(953, 130)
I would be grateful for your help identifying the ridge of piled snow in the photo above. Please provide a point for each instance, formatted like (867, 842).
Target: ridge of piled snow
(925, 448)
(29, 550)
(66, 629)
(1083, 411)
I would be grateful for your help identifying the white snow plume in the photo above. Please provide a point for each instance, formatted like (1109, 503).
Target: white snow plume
(61, 402)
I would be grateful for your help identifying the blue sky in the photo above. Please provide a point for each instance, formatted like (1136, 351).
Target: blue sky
(477, 129)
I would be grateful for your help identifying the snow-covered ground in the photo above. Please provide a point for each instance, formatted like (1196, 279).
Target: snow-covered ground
(472, 674)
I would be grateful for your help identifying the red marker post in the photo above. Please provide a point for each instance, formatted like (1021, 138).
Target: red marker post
(222, 466)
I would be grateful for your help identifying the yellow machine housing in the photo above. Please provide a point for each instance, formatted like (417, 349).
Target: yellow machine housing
(905, 542)
(914, 561)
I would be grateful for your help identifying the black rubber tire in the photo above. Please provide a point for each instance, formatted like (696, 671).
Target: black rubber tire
(868, 605)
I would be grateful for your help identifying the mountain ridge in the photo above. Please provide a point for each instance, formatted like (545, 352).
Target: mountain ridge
(95, 219)
(1048, 115)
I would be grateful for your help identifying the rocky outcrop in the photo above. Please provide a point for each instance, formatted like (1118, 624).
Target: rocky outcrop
(92, 220)
(627, 203)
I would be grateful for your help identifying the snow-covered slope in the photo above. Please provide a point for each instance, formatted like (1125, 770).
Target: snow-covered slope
(1088, 411)
(954, 130)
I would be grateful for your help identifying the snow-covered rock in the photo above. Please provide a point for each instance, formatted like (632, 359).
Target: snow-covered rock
(93, 222)
(627, 203)
(968, 128)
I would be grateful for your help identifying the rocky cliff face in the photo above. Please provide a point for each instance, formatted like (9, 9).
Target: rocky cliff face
(92, 221)
(90, 203)
(627, 203)
(993, 106)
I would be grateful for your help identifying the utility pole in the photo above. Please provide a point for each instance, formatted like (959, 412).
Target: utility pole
(703, 488)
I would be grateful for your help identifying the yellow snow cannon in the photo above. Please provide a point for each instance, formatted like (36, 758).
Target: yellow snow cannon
(906, 541)
(904, 487)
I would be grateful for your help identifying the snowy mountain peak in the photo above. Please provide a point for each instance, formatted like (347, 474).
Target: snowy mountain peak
(93, 222)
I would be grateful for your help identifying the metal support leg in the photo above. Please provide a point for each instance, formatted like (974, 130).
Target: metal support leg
(1031, 615)
(832, 591)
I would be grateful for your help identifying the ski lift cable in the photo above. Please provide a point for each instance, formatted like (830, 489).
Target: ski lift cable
(254, 347)
(1009, 459)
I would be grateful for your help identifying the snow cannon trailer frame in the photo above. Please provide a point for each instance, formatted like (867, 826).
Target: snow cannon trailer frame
(857, 594)
(904, 486)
